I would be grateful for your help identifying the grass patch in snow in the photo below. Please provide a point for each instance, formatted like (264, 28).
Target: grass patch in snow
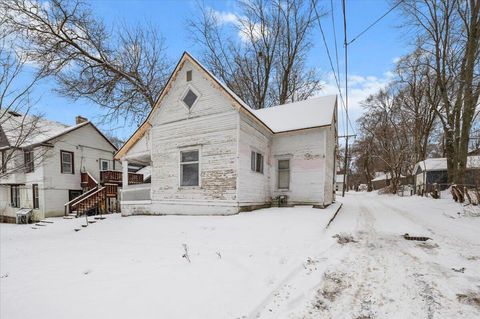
(344, 238)
(471, 298)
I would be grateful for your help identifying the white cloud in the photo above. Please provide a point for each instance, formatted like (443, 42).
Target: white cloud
(245, 30)
(225, 17)
(359, 88)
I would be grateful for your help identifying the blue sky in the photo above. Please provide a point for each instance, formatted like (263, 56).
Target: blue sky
(370, 57)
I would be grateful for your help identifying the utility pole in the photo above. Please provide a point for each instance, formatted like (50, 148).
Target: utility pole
(345, 43)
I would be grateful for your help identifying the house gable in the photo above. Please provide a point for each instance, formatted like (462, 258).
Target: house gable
(187, 63)
(190, 99)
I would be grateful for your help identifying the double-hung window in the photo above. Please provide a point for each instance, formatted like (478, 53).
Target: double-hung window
(256, 162)
(283, 174)
(15, 196)
(36, 203)
(189, 168)
(28, 160)
(104, 164)
(66, 162)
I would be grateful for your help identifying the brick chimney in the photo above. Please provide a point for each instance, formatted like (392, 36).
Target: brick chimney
(80, 119)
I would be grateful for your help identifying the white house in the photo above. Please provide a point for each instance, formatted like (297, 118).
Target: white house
(339, 182)
(210, 153)
(42, 171)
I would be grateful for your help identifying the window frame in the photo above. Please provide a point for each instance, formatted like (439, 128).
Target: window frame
(198, 162)
(35, 197)
(72, 156)
(15, 200)
(190, 87)
(101, 161)
(254, 167)
(284, 169)
(29, 164)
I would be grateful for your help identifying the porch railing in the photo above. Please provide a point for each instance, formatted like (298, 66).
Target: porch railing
(116, 177)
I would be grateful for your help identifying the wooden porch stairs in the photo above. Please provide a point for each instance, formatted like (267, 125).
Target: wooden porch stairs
(95, 194)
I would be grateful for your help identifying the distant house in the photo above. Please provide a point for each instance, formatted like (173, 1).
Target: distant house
(211, 153)
(52, 166)
(339, 182)
(382, 180)
(434, 171)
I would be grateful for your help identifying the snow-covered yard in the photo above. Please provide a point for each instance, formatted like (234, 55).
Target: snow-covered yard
(133, 267)
(272, 263)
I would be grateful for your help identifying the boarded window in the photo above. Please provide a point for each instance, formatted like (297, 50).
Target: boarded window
(28, 160)
(189, 168)
(284, 174)
(190, 98)
(189, 76)
(36, 203)
(15, 196)
(66, 162)
(256, 162)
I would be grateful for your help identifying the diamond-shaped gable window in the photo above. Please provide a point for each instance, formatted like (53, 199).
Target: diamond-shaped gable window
(190, 98)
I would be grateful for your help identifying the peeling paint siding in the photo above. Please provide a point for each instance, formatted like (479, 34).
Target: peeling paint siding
(306, 150)
(142, 146)
(330, 169)
(253, 188)
(211, 126)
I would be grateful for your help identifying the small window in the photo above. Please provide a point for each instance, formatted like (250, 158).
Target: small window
(28, 160)
(66, 162)
(284, 174)
(190, 99)
(189, 168)
(36, 203)
(104, 165)
(256, 162)
(189, 75)
(15, 196)
(3, 169)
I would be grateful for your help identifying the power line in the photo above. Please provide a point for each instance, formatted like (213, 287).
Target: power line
(335, 38)
(345, 163)
(337, 82)
(375, 22)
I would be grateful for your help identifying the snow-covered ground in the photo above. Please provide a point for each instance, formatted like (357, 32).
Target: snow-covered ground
(272, 263)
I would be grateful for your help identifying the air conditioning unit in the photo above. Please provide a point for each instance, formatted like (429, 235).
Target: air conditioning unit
(24, 216)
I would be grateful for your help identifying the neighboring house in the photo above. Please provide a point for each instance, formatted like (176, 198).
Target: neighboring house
(434, 171)
(382, 180)
(339, 182)
(210, 153)
(45, 168)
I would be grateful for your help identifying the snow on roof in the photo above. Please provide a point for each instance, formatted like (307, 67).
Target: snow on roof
(304, 114)
(146, 171)
(25, 130)
(380, 176)
(440, 164)
(309, 113)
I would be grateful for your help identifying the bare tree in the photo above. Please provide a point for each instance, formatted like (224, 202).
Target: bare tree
(266, 64)
(384, 129)
(18, 124)
(419, 99)
(449, 33)
(123, 72)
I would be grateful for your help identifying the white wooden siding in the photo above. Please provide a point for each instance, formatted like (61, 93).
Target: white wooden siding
(307, 152)
(211, 126)
(253, 187)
